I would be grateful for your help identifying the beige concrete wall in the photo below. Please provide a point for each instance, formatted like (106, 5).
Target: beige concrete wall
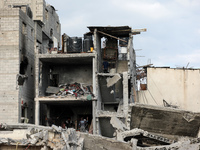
(9, 64)
(178, 87)
(12, 43)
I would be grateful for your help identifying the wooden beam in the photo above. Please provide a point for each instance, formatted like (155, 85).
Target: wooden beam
(112, 36)
(137, 31)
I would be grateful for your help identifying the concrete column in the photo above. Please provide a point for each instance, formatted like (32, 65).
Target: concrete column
(37, 112)
(94, 70)
(125, 94)
(36, 76)
(94, 117)
(19, 104)
(94, 83)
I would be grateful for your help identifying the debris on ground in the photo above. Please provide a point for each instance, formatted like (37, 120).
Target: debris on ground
(55, 138)
(27, 136)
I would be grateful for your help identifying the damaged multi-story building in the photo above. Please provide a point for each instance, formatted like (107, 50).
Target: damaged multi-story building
(101, 74)
(32, 66)
(94, 78)
(27, 27)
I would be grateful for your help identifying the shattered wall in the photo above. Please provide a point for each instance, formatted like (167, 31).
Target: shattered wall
(27, 62)
(178, 87)
(132, 69)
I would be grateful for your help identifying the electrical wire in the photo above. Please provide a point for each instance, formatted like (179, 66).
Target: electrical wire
(156, 86)
(145, 98)
(152, 97)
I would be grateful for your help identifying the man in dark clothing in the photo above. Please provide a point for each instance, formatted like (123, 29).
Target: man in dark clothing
(105, 67)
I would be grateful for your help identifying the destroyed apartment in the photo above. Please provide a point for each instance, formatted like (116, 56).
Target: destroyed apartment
(87, 93)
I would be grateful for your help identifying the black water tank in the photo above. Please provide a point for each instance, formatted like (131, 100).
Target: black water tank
(87, 43)
(123, 43)
(74, 45)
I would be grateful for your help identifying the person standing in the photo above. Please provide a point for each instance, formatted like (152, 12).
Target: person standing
(82, 125)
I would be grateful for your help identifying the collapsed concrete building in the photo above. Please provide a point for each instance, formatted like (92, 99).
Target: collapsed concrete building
(94, 77)
(108, 94)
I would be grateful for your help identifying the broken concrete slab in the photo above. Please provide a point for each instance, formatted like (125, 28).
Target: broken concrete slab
(118, 124)
(101, 113)
(95, 142)
(164, 120)
(113, 80)
(51, 89)
(5, 126)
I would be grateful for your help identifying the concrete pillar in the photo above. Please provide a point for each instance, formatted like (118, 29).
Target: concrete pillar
(95, 84)
(19, 104)
(125, 94)
(94, 117)
(37, 112)
(36, 76)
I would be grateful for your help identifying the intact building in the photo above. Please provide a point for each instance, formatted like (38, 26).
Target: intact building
(27, 27)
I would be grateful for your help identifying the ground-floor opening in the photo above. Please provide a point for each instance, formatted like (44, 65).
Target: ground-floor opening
(66, 114)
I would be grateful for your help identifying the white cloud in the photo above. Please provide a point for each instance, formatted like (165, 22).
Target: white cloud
(189, 3)
(179, 60)
(150, 9)
(193, 58)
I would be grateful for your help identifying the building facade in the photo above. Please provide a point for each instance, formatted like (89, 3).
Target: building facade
(27, 27)
(93, 83)
(175, 87)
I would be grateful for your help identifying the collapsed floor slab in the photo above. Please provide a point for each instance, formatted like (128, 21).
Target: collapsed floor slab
(165, 120)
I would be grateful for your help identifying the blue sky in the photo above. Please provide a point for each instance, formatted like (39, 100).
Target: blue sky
(173, 26)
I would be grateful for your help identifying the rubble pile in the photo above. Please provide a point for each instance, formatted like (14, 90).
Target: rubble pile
(54, 137)
(76, 90)
(144, 140)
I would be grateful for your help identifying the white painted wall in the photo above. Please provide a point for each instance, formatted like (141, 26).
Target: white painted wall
(178, 87)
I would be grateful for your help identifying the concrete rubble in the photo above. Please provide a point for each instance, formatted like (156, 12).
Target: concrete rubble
(56, 138)
(97, 79)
